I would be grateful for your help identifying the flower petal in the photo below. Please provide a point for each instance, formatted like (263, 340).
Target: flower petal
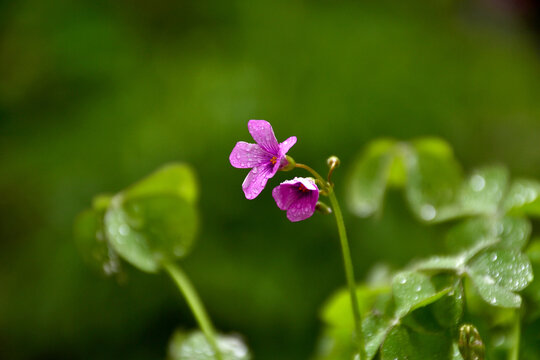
(246, 155)
(256, 180)
(303, 208)
(285, 195)
(286, 145)
(262, 133)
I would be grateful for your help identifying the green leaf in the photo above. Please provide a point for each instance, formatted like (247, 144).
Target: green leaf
(496, 274)
(437, 263)
(92, 242)
(403, 343)
(448, 311)
(433, 179)
(149, 230)
(194, 346)
(172, 179)
(338, 312)
(509, 269)
(375, 328)
(369, 177)
(523, 198)
(412, 290)
(155, 220)
(482, 192)
(335, 343)
(508, 232)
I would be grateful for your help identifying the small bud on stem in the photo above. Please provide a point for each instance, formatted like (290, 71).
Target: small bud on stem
(323, 208)
(470, 344)
(333, 162)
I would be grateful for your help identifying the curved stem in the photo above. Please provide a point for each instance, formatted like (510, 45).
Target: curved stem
(516, 334)
(313, 172)
(195, 304)
(349, 272)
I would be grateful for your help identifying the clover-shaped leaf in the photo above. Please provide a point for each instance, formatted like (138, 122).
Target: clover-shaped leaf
(523, 198)
(507, 232)
(337, 311)
(412, 290)
(404, 343)
(91, 238)
(496, 274)
(154, 220)
(194, 346)
(433, 179)
(482, 192)
(370, 176)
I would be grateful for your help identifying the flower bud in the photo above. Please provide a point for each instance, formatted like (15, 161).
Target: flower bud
(333, 162)
(289, 165)
(470, 344)
(323, 208)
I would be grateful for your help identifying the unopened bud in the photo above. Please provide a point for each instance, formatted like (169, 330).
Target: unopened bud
(323, 208)
(470, 343)
(333, 162)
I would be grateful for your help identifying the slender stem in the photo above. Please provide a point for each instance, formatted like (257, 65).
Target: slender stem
(516, 334)
(349, 272)
(195, 304)
(313, 172)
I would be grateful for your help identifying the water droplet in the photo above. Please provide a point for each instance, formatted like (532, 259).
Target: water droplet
(403, 280)
(489, 280)
(428, 212)
(123, 230)
(477, 182)
(418, 288)
(493, 257)
(493, 301)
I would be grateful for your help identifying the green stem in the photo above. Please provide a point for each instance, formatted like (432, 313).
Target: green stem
(195, 304)
(313, 172)
(516, 334)
(349, 272)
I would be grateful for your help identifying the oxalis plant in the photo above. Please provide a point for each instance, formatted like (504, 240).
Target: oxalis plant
(477, 301)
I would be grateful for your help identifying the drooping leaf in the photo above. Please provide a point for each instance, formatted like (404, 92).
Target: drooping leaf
(523, 198)
(433, 179)
(194, 346)
(369, 177)
(375, 328)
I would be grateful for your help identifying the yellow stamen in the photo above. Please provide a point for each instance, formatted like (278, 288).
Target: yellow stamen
(273, 160)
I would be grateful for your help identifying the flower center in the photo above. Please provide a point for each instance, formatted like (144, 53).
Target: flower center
(302, 188)
(273, 160)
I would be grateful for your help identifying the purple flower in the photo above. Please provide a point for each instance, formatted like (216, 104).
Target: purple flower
(298, 196)
(265, 157)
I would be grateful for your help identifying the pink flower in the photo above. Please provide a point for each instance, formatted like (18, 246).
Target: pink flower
(264, 158)
(298, 197)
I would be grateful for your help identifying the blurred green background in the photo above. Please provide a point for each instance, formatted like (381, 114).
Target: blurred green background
(94, 95)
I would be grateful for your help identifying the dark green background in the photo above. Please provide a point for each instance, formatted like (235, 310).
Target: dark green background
(94, 95)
